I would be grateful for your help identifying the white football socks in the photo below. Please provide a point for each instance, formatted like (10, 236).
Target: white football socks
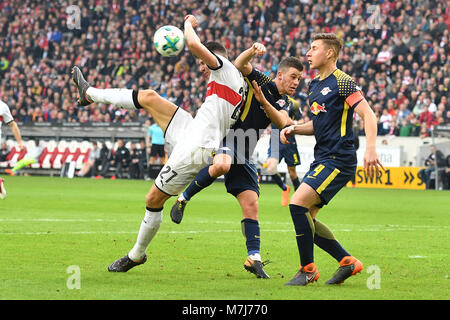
(122, 98)
(147, 231)
(255, 257)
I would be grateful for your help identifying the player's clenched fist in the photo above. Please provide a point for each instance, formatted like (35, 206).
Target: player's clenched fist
(192, 20)
(286, 133)
(258, 49)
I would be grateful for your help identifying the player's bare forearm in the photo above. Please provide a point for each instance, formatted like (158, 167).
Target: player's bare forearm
(371, 161)
(305, 129)
(242, 62)
(195, 45)
(370, 123)
(279, 117)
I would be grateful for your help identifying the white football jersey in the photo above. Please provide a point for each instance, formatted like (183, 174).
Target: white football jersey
(5, 116)
(226, 92)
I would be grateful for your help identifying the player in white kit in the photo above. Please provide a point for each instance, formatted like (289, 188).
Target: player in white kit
(194, 139)
(6, 117)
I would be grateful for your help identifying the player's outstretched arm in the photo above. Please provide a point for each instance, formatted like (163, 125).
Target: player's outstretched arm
(195, 45)
(242, 62)
(306, 129)
(279, 117)
(371, 161)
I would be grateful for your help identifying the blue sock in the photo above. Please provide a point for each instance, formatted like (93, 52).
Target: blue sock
(304, 231)
(250, 229)
(201, 181)
(278, 181)
(325, 240)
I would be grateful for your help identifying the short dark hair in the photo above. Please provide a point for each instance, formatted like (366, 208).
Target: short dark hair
(290, 62)
(331, 40)
(217, 47)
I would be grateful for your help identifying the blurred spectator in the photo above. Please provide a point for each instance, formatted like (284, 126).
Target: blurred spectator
(426, 117)
(436, 157)
(4, 150)
(121, 158)
(138, 160)
(92, 162)
(420, 104)
(106, 159)
(385, 122)
(415, 126)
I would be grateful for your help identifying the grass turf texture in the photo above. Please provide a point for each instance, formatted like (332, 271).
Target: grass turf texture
(49, 224)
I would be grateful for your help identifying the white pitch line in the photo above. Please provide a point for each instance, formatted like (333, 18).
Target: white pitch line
(237, 230)
(51, 220)
(288, 227)
(340, 227)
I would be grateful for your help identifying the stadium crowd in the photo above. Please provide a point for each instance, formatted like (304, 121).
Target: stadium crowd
(398, 51)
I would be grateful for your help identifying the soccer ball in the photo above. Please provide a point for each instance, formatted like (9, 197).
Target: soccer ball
(168, 41)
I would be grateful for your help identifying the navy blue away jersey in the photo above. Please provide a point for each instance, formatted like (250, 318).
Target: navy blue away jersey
(253, 118)
(253, 115)
(332, 102)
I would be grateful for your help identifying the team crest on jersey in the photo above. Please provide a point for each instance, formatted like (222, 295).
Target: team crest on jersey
(325, 91)
(281, 103)
(316, 108)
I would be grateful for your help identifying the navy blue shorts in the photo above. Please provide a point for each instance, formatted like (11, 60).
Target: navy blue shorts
(242, 176)
(327, 177)
(288, 152)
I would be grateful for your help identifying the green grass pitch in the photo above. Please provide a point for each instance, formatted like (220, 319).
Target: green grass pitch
(49, 225)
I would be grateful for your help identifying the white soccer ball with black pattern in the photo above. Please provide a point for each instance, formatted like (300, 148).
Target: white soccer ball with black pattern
(168, 41)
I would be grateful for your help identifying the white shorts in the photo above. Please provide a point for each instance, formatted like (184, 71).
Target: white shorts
(177, 127)
(186, 159)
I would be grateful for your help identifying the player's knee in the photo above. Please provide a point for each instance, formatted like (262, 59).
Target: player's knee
(219, 169)
(272, 169)
(272, 166)
(250, 210)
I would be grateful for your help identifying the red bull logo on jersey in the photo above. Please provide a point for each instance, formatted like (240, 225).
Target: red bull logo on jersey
(316, 108)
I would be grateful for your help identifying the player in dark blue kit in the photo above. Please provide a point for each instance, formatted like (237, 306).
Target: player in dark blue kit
(333, 98)
(288, 152)
(265, 104)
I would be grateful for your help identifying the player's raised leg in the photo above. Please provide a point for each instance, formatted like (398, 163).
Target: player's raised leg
(159, 108)
(155, 200)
